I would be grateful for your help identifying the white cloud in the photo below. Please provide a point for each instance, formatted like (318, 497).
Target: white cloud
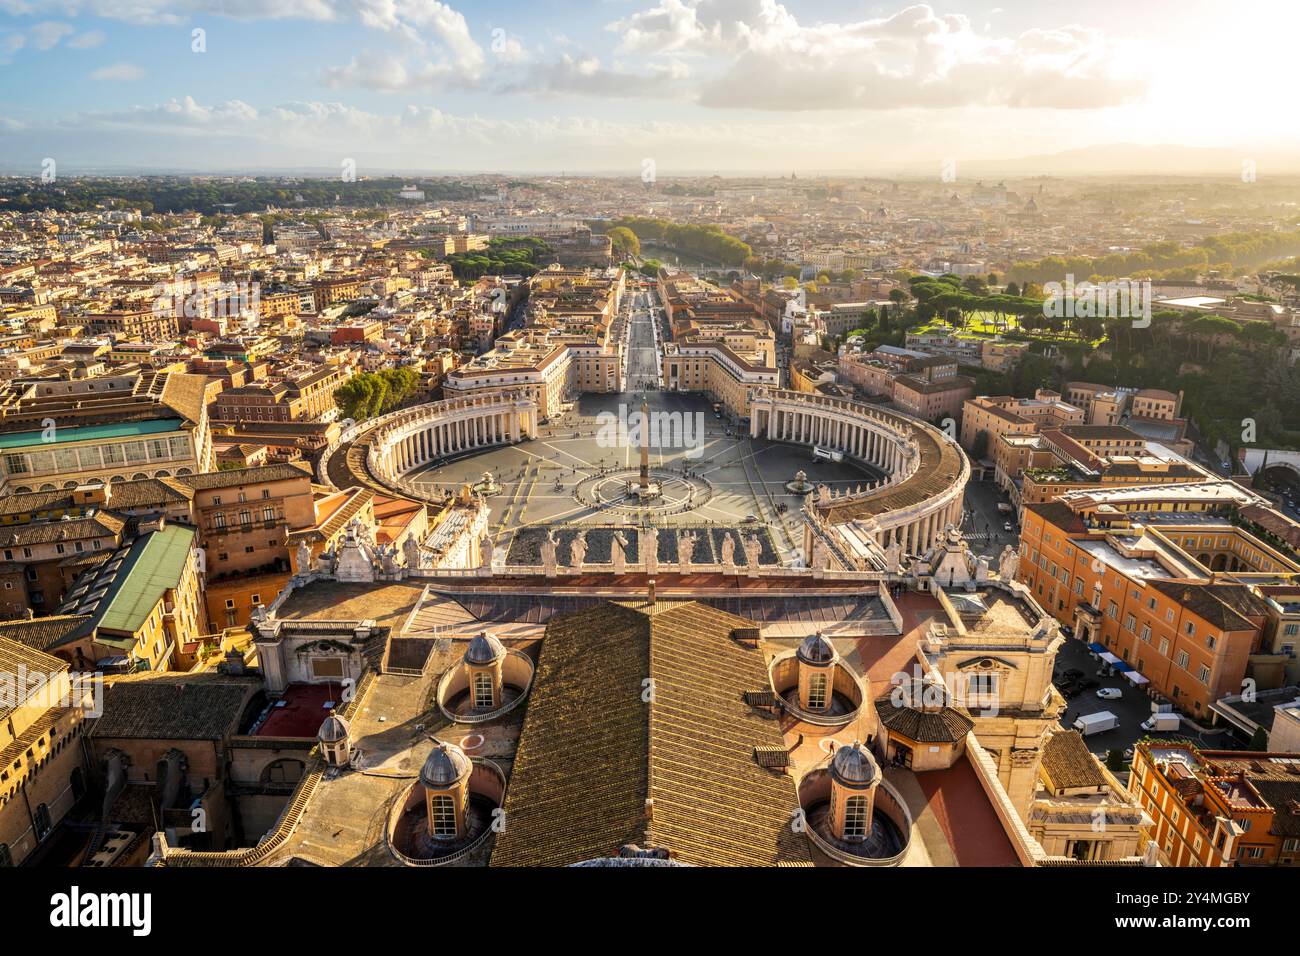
(914, 58)
(585, 75)
(121, 72)
(87, 40)
(421, 21)
(46, 35)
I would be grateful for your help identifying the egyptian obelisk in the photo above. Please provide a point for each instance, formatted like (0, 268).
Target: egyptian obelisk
(645, 446)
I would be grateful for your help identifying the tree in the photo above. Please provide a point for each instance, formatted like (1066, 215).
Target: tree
(1259, 741)
(1115, 761)
(625, 241)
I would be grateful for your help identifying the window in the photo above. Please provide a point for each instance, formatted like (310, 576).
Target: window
(483, 696)
(981, 689)
(327, 667)
(817, 692)
(1183, 659)
(1146, 633)
(43, 822)
(442, 812)
(1209, 641)
(855, 817)
(1204, 674)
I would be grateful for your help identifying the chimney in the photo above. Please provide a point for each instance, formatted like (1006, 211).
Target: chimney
(650, 592)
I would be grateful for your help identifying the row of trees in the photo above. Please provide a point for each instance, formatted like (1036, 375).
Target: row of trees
(370, 394)
(707, 242)
(1230, 253)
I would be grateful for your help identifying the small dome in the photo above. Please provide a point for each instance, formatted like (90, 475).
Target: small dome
(334, 729)
(484, 649)
(446, 765)
(854, 766)
(815, 649)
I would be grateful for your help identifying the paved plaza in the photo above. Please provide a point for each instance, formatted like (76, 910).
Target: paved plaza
(540, 479)
(713, 474)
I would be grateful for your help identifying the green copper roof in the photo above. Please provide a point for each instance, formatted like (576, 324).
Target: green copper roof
(67, 433)
(153, 565)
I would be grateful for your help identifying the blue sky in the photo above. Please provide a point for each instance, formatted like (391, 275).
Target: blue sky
(696, 84)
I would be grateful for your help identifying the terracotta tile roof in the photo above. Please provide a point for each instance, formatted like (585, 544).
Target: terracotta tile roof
(245, 476)
(1068, 764)
(173, 706)
(102, 524)
(42, 633)
(942, 726)
(1205, 603)
(598, 768)
(15, 654)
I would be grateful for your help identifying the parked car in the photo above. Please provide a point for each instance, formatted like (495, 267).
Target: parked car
(1074, 672)
(1110, 693)
(1007, 526)
(1067, 631)
(1089, 684)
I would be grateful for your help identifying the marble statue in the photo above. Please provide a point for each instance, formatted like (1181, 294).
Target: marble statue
(485, 550)
(411, 552)
(578, 551)
(304, 557)
(650, 548)
(728, 552)
(1008, 563)
(893, 556)
(685, 548)
(753, 548)
(549, 547)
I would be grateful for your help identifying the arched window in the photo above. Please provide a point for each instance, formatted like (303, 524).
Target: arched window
(817, 692)
(443, 816)
(483, 690)
(77, 782)
(43, 822)
(855, 817)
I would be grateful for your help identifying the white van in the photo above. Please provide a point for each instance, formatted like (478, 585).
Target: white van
(1096, 723)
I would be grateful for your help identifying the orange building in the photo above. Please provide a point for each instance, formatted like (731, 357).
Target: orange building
(1219, 808)
(1131, 589)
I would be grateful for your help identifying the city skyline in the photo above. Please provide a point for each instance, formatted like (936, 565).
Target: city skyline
(805, 87)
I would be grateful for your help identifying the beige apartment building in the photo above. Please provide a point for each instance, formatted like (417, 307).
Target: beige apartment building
(68, 433)
(41, 765)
